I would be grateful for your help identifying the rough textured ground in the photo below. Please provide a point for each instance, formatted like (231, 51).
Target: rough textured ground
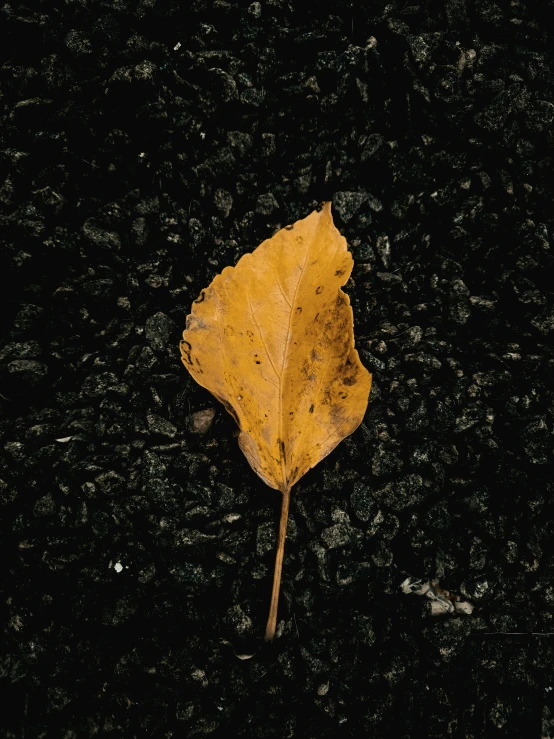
(144, 147)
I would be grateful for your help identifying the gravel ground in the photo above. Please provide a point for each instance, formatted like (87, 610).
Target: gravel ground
(145, 146)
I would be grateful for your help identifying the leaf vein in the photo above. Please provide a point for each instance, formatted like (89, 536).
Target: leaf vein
(260, 331)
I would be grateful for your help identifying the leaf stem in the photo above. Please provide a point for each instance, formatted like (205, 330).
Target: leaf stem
(272, 620)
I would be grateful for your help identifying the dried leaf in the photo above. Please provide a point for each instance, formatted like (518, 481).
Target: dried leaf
(273, 340)
(442, 601)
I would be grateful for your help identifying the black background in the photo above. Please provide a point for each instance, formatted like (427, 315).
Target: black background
(132, 172)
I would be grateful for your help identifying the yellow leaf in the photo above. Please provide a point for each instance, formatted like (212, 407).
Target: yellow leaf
(273, 340)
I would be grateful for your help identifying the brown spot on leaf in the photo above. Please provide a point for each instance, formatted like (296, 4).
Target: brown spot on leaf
(350, 380)
(319, 290)
(186, 349)
(311, 408)
(337, 412)
(339, 273)
(298, 311)
(201, 297)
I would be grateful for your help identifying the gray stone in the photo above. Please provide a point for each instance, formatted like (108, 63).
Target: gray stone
(226, 84)
(268, 144)
(159, 331)
(240, 141)
(95, 386)
(362, 502)
(340, 535)
(425, 360)
(265, 538)
(202, 420)
(21, 350)
(223, 201)
(28, 371)
(28, 316)
(266, 204)
(347, 204)
(110, 482)
(385, 461)
(403, 493)
(159, 425)
(45, 506)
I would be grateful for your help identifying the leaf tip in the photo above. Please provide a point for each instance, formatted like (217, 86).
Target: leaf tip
(324, 207)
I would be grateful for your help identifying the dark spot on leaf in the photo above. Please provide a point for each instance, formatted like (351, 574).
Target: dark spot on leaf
(349, 381)
(311, 408)
(291, 413)
(344, 395)
(339, 273)
(186, 349)
(281, 447)
(316, 317)
(258, 361)
(250, 334)
(298, 310)
(200, 298)
(319, 290)
(336, 412)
